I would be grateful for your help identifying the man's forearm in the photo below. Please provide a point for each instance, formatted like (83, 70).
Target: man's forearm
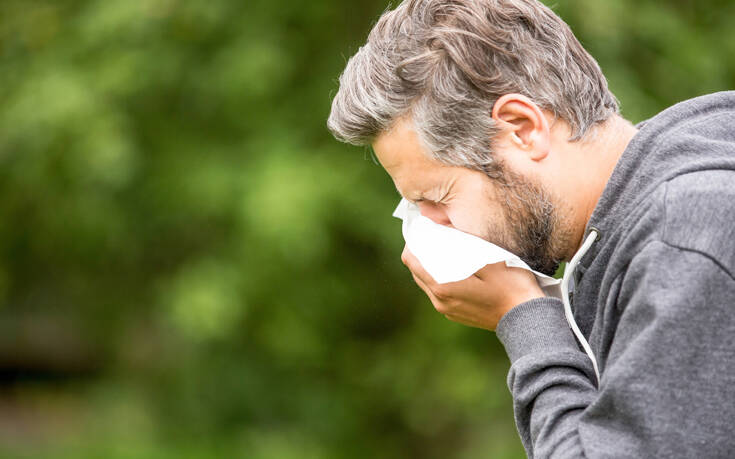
(665, 388)
(550, 378)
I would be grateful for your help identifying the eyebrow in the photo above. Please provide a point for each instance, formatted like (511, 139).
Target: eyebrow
(420, 197)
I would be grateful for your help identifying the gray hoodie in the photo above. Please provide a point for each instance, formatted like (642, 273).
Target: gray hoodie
(655, 298)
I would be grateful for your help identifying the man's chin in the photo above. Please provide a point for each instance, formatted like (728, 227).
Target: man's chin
(545, 267)
(552, 270)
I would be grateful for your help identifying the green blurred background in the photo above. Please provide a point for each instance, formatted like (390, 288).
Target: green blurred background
(190, 266)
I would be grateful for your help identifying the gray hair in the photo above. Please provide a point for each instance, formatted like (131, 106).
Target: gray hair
(444, 63)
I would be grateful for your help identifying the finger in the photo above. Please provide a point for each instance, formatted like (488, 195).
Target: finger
(488, 270)
(414, 265)
(523, 278)
(457, 319)
(411, 262)
(437, 292)
(424, 287)
(440, 306)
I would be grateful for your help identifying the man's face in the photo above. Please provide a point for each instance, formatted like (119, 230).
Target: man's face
(512, 212)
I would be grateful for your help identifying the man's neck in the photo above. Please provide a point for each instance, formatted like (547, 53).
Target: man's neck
(598, 157)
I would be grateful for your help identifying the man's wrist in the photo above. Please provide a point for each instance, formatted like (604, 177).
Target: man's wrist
(523, 297)
(538, 325)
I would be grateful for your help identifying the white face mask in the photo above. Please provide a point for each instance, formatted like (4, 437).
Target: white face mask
(450, 255)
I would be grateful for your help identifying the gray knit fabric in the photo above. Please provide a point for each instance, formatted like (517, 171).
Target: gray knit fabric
(655, 296)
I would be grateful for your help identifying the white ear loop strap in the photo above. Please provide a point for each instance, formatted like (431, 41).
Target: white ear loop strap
(568, 271)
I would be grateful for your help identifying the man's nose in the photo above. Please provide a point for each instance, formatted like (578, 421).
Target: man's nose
(434, 212)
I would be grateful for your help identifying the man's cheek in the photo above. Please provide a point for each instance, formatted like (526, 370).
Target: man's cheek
(459, 219)
(466, 222)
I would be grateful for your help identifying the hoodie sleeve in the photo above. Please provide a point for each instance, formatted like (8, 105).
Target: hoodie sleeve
(667, 382)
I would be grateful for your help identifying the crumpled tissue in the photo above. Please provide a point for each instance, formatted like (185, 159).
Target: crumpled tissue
(451, 255)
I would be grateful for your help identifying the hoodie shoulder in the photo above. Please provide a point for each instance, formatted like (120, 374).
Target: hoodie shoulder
(699, 212)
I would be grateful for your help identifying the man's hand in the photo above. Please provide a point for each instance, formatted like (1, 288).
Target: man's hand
(480, 300)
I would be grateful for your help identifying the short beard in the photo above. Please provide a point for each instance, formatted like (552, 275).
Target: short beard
(533, 226)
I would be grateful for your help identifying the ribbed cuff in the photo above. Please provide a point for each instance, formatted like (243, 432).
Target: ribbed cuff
(537, 325)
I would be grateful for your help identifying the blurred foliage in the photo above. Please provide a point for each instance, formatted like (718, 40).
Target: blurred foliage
(191, 267)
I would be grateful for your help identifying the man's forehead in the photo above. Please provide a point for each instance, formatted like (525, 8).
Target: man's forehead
(403, 158)
(400, 148)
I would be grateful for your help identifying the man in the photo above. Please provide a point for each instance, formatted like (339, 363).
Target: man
(492, 118)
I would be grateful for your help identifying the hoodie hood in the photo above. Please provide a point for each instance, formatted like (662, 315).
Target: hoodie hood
(692, 136)
(675, 142)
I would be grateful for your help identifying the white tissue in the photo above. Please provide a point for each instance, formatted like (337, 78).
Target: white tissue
(450, 255)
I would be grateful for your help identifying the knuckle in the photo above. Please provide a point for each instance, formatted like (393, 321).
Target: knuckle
(404, 257)
(442, 308)
(440, 292)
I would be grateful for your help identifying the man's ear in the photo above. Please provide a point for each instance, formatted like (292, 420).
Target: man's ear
(525, 124)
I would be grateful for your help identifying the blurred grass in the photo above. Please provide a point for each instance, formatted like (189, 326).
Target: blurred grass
(191, 267)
